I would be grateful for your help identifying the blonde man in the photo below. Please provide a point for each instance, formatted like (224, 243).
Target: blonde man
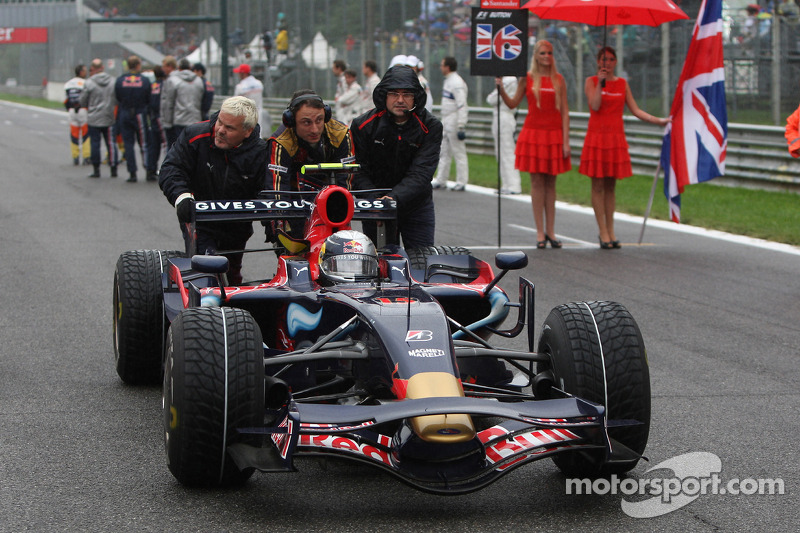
(223, 158)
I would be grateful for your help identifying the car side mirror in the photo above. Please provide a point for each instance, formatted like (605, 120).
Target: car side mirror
(210, 264)
(506, 261)
(511, 260)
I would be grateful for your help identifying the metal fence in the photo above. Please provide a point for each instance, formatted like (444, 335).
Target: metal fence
(763, 70)
(762, 67)
(756, 157)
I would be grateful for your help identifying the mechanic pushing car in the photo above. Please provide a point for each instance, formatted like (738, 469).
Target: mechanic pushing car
(307, 136)
(397, 145)
(224, 158)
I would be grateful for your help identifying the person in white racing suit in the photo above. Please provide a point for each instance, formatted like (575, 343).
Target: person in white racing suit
(454, 114)
(371, 80)
(78, 116)
(419, 66)
(348, 103)
(504, 143)
(252, 88)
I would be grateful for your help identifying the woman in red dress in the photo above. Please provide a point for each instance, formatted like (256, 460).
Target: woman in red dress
(543, 143)
(605, 156)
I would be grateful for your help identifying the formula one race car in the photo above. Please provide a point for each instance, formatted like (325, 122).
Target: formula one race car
(379, 355)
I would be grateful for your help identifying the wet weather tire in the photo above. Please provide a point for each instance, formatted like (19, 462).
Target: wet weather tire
(418, 257)
(139, 322)
(597, 353)
(213, 384)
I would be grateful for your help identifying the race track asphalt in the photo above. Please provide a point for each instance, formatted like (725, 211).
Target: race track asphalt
(81, 451)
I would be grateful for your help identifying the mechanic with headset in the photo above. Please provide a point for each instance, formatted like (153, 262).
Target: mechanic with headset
(307, 136)
(397, 146)
(223, 158)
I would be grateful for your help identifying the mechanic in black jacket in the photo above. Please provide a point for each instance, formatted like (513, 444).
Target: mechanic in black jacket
(133, 94)
(397, 145)
(224, 158)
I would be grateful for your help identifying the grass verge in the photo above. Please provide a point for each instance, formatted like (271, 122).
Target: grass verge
(40, 102)
(767, 215)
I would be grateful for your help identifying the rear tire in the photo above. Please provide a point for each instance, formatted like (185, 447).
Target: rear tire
(213, 384)
(597, 353)
(139, 321)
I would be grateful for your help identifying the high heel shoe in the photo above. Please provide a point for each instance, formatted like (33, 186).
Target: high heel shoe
(554, 243)
(616, 244)
(541, 245)
(605, 245)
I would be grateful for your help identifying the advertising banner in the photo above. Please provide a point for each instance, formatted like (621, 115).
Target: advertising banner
(23, 35)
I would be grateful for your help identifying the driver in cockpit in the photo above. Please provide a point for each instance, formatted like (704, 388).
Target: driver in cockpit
(348, 256)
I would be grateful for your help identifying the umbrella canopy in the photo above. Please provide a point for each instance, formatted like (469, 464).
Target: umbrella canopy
(605, 12)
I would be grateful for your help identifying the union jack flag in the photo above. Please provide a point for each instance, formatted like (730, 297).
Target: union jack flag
(483, 41)
(507, 45)
(695, 143)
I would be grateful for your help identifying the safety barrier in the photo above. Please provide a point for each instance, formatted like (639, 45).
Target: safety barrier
(756, 156)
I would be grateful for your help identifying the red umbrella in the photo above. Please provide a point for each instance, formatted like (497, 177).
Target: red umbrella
(605, 12)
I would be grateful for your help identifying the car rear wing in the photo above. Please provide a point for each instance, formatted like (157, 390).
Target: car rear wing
(286, 205)
(370, 204)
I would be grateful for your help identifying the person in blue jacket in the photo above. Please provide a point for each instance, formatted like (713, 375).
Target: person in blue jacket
(133, 96)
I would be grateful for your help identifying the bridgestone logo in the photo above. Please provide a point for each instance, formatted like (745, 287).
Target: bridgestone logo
(426, 352)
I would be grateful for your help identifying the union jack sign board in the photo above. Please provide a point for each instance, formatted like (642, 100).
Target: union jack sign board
(499, 42)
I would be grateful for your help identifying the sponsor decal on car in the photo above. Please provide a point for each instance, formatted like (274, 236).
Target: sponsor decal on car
(350, 445)
(394, 300)
(501, 449)
(335, 428)
(419, 335)
(373, 204)
(426, 352)
(280, 204)
(282, 440)
(250, 204)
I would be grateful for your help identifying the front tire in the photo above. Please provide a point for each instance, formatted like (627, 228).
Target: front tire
(139, 320)
(418, 257)
(213, 384)
(597, 353)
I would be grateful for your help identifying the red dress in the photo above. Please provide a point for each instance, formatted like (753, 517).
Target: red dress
(540, 145)
(605, 149)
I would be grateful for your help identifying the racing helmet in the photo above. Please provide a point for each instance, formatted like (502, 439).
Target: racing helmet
(348, 255)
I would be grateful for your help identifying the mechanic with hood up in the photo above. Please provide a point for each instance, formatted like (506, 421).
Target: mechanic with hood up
(397, 145)
(223, 158)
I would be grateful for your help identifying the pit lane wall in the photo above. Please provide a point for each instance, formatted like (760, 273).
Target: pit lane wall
(757, 155)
